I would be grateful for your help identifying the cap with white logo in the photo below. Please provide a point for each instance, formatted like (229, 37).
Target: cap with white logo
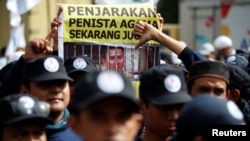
(206, 112)
(100, 85)
(172, 83)
(51, 64)
(110, 82)
(44, 69)
(80, 64)
(164, 85)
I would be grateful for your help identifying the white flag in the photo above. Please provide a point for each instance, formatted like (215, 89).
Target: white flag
(16, 40)
(12, 6)
(21, 6)
(15, 19)
(19, 36)
(11, 47)
(26, 5)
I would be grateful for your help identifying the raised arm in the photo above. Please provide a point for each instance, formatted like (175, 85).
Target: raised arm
(147, 32)
(54, 27)
(13, 78)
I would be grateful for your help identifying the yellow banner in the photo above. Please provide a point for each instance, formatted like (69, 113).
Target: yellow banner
(105, 23)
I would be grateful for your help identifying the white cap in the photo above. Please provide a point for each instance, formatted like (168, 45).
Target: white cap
(206, 48)
(222, 42)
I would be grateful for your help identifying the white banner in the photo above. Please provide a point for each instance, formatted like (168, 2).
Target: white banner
(19, 7)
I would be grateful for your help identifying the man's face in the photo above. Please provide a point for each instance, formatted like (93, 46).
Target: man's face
(114, 59)
(55, 92)
(208, 85)
(109, 119)
(225, 52)
(24, 133)
(161, 119)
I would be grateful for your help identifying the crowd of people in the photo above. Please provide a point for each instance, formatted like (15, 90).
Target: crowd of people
(46, 98)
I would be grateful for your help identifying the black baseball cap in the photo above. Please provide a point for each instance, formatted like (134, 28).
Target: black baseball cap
(100, 85)
(164, 85)
(205, 112)
(17, 108)
(80, 64)
(44, 69)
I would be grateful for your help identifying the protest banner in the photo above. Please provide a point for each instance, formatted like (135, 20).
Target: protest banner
(105, 34)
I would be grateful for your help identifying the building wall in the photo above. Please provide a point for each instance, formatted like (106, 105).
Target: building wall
(204, 20)
(4, 24)
(193, 14)
(47, 9)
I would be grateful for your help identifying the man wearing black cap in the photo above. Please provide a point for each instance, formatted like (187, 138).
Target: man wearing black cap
(23, 118)
(162, 92)
(46, 78)
(204, 77)
(12, 80)
(77, 68)
(211, 77)
(225, 81)
(198, 124)
(104, 107)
